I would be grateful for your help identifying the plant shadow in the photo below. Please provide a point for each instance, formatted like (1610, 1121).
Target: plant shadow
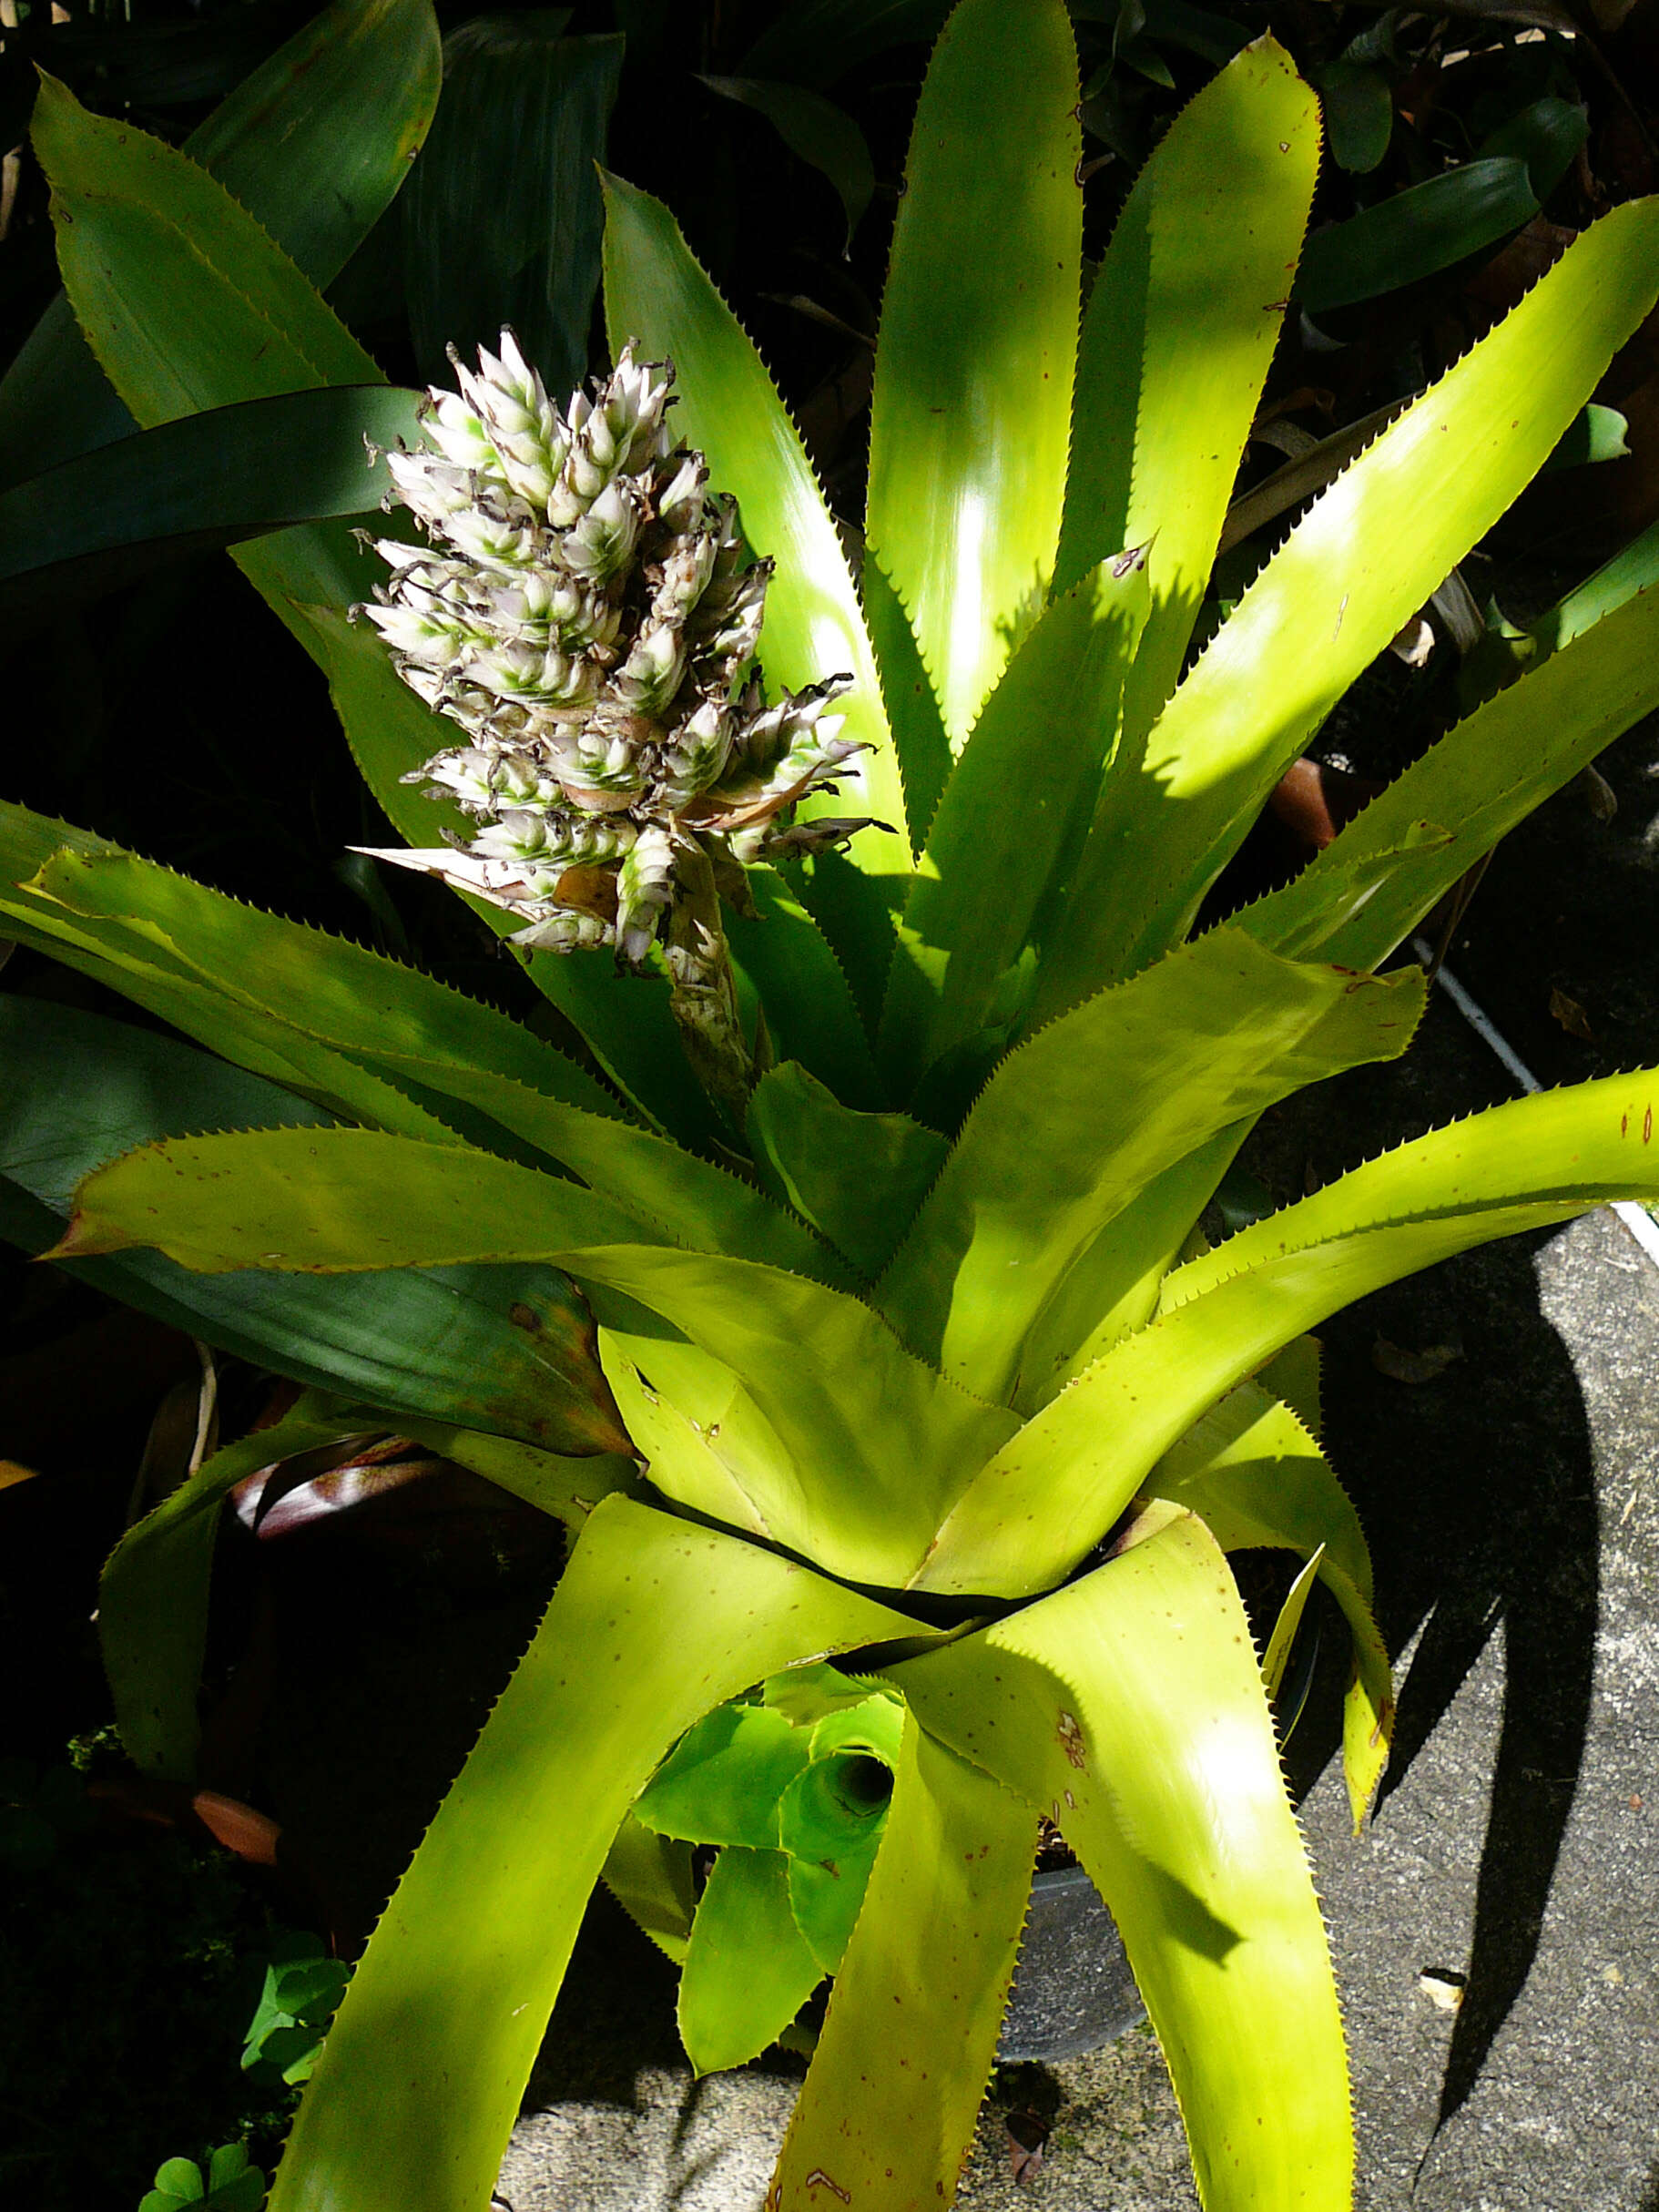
(1477, 1493)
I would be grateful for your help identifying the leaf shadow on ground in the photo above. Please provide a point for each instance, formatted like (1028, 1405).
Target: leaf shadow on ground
(1477, 1491)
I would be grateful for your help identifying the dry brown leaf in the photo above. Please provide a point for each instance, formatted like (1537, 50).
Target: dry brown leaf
(1571, 1016)
(1600, 795)
(1414, 643)
(1027, 2135)
(1413, 1367)
(1442, 1988)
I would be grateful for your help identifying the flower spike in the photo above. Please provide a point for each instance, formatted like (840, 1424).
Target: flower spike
(587, 612)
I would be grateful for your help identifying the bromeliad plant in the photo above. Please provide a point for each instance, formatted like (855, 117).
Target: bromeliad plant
(913, 1349)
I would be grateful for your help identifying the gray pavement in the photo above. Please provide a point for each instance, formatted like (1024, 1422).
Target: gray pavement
(1513, 1863)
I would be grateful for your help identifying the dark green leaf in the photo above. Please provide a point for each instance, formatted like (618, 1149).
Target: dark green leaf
(314, 144)
(1596, 434)
(1416, 233)
(504, 1349)
(107, 516)
(1548, 136)
(1213, 38)
(810, 1014)
(1359, 116)
(501, 220)
(817, 41)
(816, 130)
(184, 296)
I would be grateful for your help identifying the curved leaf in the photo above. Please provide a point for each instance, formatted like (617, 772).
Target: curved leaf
(1075, 1466)
(354, 999)
(682, 1423)
(1074, 1123)
(858, 1177)
(504, 1349)
(907, 2046)
(329, 1201)
(318, 141)
(721, 1782)
(1415, 233)
(1483, 776)
(971, 411)
(650, 1877)
(1547, 136)
(816, 131)
(1176, 338)
(415, 1031)
(876, 1441)
(210, 479)
(653, 1623)
(1177, 1806)
(1113, 1285)
(811, 1013)
(150, 972)
(1365, 555)
(1358, 108)
(185, 301)
(313, 144)
(1254, 1476)
(1633, 569)
(749, 1968)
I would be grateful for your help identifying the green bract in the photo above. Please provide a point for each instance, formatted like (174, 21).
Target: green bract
(918, 1353)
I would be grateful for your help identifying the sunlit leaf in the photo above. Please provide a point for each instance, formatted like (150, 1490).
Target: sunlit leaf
(1177, 1807)
(972, 415)
(930, 1960)
(1065, 1477)
(653, 1624)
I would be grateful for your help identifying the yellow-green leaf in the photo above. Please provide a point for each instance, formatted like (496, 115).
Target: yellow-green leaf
(972, 413)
